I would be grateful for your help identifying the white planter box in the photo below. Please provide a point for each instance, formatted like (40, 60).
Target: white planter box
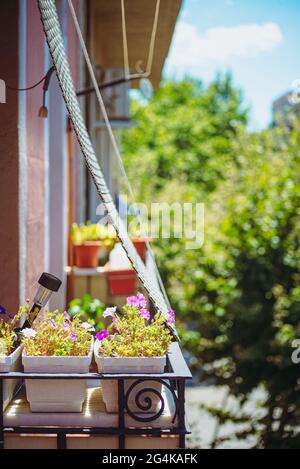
(7, 364)
(129, 365)
(63, 395)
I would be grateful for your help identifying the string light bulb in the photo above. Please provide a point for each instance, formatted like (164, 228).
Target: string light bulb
(43, 111)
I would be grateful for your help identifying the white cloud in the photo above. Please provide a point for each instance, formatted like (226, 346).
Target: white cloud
(219, 44)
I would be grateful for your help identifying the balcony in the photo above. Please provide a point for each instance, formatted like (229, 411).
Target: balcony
(94, 428)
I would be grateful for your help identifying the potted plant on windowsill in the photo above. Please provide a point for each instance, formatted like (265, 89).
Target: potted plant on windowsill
(140, 245)
(86, 242)
(133, 343)
(10, 349)
(121, 276)
(139, 239)
(58, 344)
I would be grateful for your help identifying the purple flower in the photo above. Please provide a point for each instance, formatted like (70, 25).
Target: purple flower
(101, 335)
(65, 326)
(73, 336)
(67, 316)
(2, 310)
(10, 317)
(171, 319)
(54, 325)
(145, 313)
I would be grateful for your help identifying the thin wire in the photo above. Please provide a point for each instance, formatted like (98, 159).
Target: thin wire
(111, 134)
(153, 36)
(125, 45)
(99, 97)
(29, 87)
(151, 47)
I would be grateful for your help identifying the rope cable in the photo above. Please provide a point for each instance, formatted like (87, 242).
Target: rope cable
(53, 33)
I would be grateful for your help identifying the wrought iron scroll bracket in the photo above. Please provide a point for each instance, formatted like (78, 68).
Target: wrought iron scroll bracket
(144, 402)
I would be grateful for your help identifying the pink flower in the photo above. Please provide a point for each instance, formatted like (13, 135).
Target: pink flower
(142, 300)
(171, 319)
(139, 300)
(101, 335)
(145, 313)
(132, 301)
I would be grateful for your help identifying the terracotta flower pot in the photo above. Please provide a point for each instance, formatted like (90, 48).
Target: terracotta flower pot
(121, 282)
(87, 254)
(141, 247)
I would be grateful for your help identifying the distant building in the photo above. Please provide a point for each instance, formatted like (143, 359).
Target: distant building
(284, 109)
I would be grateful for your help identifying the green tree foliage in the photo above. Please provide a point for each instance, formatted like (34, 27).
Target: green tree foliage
(238, 297)
(184, 134)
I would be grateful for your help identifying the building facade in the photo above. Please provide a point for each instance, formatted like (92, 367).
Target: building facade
(44, 183)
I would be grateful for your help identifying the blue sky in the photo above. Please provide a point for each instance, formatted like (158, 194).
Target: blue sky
(258, 40)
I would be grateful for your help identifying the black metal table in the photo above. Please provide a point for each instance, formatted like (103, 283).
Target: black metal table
(173, 379)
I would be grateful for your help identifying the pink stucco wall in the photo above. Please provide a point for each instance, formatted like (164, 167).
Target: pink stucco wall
(73, 61)
(35, 150)
(9, 164)
(36, 144)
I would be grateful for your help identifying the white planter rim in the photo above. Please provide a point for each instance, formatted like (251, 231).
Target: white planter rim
(97, 347)
(53, 363)
(8, 360)
(129, 364)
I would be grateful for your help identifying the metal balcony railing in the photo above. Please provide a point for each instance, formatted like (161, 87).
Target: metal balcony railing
(173, 380)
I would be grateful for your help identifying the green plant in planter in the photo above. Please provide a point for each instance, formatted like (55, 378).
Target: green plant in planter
(86, 232)
(89, 309)
(109, 236)
(56, 334)
(8, 324)
(89, 232)
(134, 333)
